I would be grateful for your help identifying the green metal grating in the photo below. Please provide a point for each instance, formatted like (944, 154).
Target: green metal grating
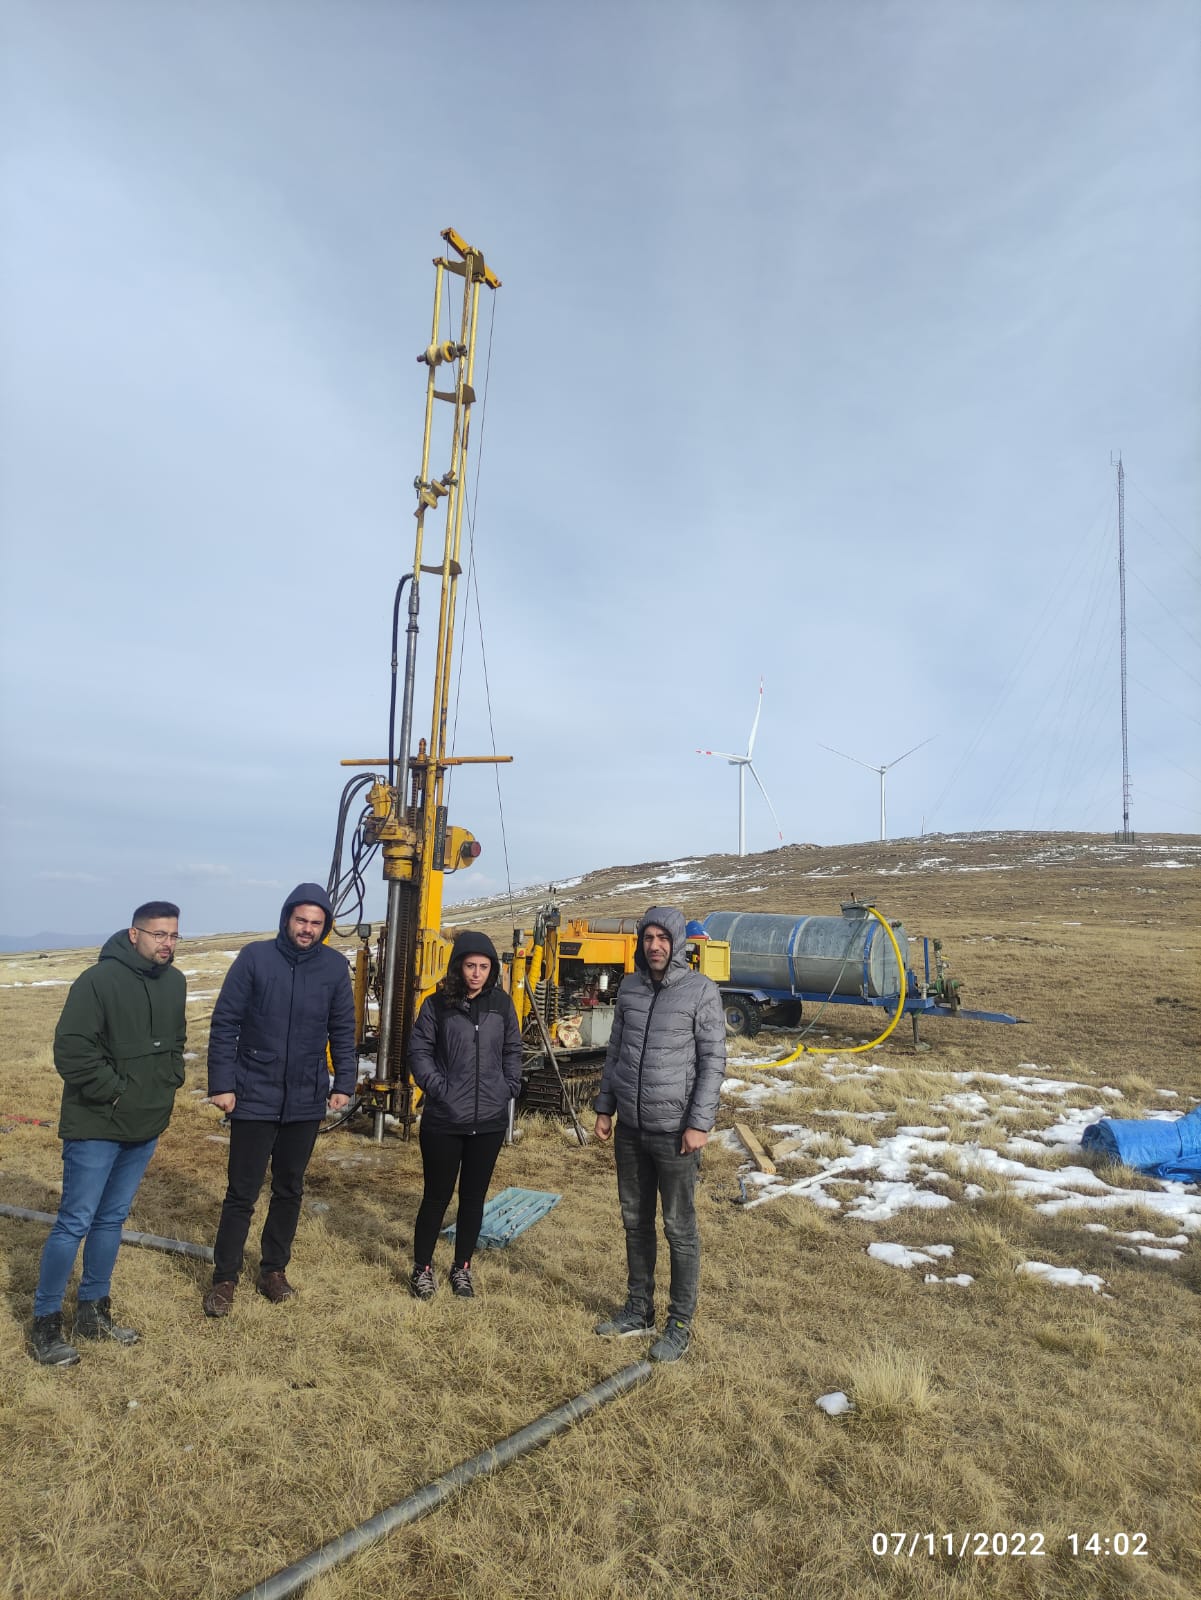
(509, 1213)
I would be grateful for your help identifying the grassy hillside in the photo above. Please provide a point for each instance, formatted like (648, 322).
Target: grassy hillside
(212, 1454)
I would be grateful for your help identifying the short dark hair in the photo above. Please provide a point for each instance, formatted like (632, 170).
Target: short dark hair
(154, 908)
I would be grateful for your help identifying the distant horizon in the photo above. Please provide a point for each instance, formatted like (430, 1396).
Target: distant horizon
(58, 939)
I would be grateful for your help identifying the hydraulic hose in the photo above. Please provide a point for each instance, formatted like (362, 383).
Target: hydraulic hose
(854, 1050)
(292, 1579)
(400, 589)
(149, 1241)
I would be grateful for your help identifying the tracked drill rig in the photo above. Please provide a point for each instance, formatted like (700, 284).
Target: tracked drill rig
(404, 819)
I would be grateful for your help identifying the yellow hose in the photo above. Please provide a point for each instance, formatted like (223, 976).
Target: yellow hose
(854, 1050)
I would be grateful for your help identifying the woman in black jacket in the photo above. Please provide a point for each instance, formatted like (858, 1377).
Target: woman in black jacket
(465, 1052)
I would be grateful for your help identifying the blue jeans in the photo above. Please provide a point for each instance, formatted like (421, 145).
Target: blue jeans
(100, 1179)
(650, 1167)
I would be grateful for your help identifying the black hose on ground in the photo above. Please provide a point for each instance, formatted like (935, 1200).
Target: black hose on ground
(294, 1578)
(149, 1241)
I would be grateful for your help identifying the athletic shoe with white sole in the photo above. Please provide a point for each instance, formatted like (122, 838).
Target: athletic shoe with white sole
(625, 1324)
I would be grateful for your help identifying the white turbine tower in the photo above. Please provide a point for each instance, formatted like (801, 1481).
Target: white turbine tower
(881, 770)
(744, 763)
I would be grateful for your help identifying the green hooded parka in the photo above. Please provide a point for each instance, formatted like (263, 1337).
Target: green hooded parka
(119, 1045)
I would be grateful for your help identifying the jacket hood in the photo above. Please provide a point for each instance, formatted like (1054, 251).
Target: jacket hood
(307, 894)
(120, 948)
(468, 943)
(674, 926)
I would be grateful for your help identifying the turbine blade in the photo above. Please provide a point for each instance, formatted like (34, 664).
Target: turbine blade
(770, 807)
(722, 755)
(910, 752)
(846, 757)
(750, 744)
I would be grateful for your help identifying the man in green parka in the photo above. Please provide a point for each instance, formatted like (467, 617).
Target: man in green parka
(118, 1048)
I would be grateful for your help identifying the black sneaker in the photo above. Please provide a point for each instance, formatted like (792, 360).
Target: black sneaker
(625, 1324)
(422, 1283)
(49, 1346)
(460, 1282)
(94, 1320)
(674, 1342)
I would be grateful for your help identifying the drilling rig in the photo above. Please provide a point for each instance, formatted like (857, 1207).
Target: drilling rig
(404, 818)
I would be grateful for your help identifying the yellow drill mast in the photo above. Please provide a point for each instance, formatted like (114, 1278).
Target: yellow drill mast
(408, 818)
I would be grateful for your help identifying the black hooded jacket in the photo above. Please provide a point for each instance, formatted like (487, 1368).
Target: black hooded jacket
(466, 1054)
(278, 1009)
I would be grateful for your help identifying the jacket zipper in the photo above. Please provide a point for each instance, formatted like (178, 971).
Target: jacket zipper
(288, 1045)
(476, 1119)
(642, 1053)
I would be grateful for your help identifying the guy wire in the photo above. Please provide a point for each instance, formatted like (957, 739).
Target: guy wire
(473, 588)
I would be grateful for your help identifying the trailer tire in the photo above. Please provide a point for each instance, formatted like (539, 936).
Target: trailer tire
(743, 1015)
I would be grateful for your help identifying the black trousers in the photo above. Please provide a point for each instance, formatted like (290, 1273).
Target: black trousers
(287, 1146)
(469, 1159)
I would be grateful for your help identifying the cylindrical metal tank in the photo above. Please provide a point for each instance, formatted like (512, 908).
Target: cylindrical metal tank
(848, 955)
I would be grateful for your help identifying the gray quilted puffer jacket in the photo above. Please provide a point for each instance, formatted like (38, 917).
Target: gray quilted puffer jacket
(667, 1053)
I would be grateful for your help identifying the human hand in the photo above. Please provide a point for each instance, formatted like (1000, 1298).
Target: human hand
(339, 1102)
(693, 1140)
(223, 1102)
(604, 1125)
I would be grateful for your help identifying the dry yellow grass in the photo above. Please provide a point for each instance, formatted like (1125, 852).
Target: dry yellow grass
(212, 1454)
(887, 1384)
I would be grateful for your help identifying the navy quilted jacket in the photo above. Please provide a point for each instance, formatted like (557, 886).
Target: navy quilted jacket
(278, 1009)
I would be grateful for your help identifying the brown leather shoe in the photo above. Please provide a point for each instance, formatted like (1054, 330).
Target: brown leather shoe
(219, 1300)
(275, 1287)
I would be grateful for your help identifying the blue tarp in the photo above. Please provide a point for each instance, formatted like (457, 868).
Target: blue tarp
(1162, 1149)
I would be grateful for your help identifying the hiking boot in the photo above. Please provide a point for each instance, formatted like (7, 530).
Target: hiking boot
(49, 1346)
(673, 1343)
(93, 1320)
(218, 1302)
(275, 1287)
(624, 1324)
(460, 1282)
(422, 1283)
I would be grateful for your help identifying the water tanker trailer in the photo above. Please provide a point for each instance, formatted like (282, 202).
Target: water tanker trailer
(780, 964)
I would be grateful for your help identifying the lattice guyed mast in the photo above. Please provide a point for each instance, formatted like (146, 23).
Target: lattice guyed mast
(408, 818)
(1126, 834)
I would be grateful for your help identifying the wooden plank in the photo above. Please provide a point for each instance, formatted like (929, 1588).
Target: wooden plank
(786, 1147)
(758, 1154)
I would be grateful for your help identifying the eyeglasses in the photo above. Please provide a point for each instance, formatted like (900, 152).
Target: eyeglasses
(159, 938)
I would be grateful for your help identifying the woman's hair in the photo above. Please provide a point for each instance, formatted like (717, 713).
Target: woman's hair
(452, 987)
(467, 943)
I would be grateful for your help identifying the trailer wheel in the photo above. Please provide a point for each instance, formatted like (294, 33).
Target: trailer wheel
(743, 1015)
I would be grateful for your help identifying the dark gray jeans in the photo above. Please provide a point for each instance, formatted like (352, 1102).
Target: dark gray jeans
(650, 1166)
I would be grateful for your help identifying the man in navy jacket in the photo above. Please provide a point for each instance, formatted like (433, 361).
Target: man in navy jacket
(283, 1001)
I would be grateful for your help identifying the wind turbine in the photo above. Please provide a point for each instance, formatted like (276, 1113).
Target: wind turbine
(743, 763)
(881, 770)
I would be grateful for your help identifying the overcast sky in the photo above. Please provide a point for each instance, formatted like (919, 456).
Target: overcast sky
(819, 325)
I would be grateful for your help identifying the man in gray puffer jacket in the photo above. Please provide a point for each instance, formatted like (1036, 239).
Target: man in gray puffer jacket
(662, 1075)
